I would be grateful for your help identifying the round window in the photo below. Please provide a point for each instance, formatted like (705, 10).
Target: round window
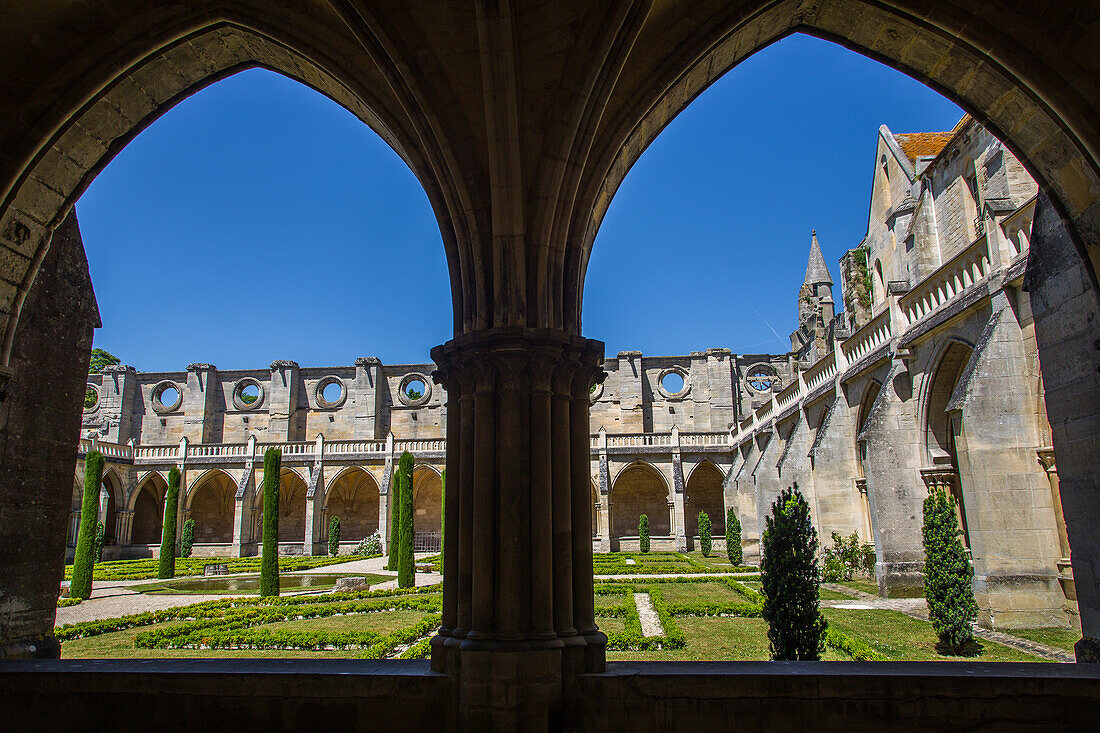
(167, 397)
(91, 398)
(762, 378)
(248, 394)
(673, 383)
(415, 390)
(331, 392)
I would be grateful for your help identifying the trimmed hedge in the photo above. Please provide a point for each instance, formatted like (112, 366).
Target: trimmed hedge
(187, 542)
(100, 533)
(269, 566)
(65, 602)
(84, 559)
(166, 561)
(147, 568)
(643, 533)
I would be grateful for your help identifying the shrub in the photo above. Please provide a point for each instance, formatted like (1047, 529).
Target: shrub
(947, 575)
(166, 561)
(100, 531)
(84, 560)
(269, 566)
(334, 536)
(789, 575)
(188, 541)
(847, 558)
(406, 563)
(643, 533)
(704, 533)
(64, 602)
(369, 546)
(733, 537)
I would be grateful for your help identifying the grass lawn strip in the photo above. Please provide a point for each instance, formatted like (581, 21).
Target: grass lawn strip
(1055, 637)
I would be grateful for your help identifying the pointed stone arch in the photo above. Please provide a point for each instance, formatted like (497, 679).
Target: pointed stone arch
(640, 488)
(427, 499)
(704, 492)
(148, 509)
(353, 495)
(210, 503)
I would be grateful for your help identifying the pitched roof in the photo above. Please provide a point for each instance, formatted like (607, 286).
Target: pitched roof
(816, 270)
(921, 144)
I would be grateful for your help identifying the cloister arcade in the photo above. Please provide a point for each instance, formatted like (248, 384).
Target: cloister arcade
(521, 120)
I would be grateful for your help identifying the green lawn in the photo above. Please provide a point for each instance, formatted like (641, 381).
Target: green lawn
(610, 624)
(830, 595)
(902, 638)
(717, 560)
(867, 586)
(1055, 637)
(716, 639)
(715, 592)
(604, 602)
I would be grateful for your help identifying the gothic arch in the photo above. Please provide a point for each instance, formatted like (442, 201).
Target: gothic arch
(210, 503)
(640, 488)
(704, 493)
(948, 365)
(353, 495)
(427, 499)
(148, 508)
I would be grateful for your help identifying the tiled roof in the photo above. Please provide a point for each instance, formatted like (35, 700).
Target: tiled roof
(920, 144)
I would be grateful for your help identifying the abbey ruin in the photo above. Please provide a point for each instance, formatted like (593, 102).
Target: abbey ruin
(927, 376)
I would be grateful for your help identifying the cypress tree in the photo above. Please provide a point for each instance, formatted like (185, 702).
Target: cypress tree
(790, 576)
(733, 537)
(643, 533)
(406, 562)
(947, 575)
(704, 533)
(395, 520)
(269, 565)
(84, 560)
(334, 536)
(188, 539)
(166, 562)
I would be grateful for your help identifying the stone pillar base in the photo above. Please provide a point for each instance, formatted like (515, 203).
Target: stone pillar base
(45, 647)
(900, 579)
(1087, 650)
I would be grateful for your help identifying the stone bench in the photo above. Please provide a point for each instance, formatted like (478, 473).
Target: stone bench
(215, 569)
(425, 567)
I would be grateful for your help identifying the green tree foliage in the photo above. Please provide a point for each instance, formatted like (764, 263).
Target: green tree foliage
(91, 399)
(406, 563)
(442, 517)
(100, 359)
(100, 532)
(395, 520)
(733, 537)
(188, 540)
(847, 558)
(643, 533)
(790, 575)
(947, 575)
(334, 536)
(166, 563)
(269, 565)
(84, 561)
(704, 533)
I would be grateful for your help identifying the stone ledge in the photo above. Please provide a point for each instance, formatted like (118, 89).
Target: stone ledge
(838, 696)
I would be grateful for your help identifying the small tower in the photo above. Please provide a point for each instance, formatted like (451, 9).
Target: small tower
(815, 306)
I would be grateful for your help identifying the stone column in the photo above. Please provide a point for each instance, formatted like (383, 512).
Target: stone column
(518, 613)
(1065, 566)
(385, 497)
(604, 509)
(678, 518)
(124, 522)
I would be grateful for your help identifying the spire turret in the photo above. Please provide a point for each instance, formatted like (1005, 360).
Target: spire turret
(817, 273)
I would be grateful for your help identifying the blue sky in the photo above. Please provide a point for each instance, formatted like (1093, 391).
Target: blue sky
(258, 220)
